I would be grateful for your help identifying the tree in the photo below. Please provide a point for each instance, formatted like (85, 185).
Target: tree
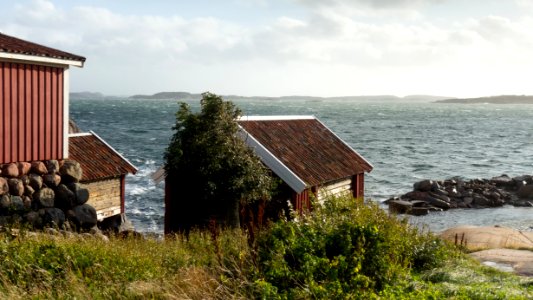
(210, 170)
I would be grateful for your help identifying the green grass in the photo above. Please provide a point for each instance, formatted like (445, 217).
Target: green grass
(343, 251)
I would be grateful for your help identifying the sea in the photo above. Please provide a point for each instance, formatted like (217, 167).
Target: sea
(404, 141)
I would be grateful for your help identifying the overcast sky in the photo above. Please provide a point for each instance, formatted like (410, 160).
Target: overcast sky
(462, 48)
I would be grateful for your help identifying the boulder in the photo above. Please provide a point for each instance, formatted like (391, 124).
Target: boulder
(525, 192)
(34, 219)
(423, 186)
(45, 197)
(25, 179)
(502, 181)
(17, 204)
(437, 202)
(36, 181)
(489, 237)
(416, 195)
(440, 197)
(16, 188)
(70, 171)
(4, 187)
(481, 201)
(65, 198)
(5, 202)
(53, 217)
(399, 206)
(52, 166)
(10, 170)
(38, 167)
(84, 216)
(28, 190)
(81, 193)
(419, 211)
(51, 180)
(27, 202)
(24, 168)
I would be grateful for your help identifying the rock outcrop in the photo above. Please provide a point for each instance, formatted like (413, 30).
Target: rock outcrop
(503, 248)
(430, 195)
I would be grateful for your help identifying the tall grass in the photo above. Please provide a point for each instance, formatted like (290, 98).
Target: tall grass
(343, 250)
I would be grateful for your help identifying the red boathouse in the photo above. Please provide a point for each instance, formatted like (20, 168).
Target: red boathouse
(307, 156)
(34, 121)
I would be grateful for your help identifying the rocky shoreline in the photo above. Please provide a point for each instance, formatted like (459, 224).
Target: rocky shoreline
(430, 195)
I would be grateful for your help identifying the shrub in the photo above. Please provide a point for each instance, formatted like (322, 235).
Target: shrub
(343, 250)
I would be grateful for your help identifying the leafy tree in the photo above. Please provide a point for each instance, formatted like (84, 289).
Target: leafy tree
(210, 170)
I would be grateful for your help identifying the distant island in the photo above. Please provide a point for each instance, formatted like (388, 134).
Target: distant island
(191, 96)
(504, 99)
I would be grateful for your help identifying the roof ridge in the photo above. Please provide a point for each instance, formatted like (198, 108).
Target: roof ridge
(276, 117)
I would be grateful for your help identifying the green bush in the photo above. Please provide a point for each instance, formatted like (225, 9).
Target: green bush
(344, 250)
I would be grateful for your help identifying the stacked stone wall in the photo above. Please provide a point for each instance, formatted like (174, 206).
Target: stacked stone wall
(45, 194)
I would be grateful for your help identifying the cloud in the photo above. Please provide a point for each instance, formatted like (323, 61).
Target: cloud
(325, 47)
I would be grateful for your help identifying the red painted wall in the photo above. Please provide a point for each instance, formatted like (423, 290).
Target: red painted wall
(31, 112)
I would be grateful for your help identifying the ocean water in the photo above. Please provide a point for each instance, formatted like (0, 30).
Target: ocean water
(405, 142)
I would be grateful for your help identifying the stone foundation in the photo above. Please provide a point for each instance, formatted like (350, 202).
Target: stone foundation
(45, 194)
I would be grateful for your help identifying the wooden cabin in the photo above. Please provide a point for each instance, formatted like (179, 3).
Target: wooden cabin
(104, 173)
(34, 121)
(307, 156)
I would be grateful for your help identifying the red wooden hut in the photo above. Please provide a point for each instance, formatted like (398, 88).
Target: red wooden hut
(307, 156)
(34, 121)
(34, 100)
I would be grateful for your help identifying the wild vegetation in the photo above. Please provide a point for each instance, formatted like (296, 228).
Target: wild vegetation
(342, 250)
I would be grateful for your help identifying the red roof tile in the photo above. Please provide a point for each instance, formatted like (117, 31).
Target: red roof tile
(15, 45)
(306, 147)
(97, 159)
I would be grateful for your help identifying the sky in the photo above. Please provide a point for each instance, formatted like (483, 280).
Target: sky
(456, 48)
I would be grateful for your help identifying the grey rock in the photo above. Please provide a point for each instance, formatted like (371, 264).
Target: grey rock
(70, 171)
(34, 219)
(45, 197)
(5, 202)
(65, 198)
(28, 190)
(84, 216)
(51, 180)
(81, 193)
(399, 206)
(525, 192)
(52, 166)
(419, 211)
(437, 202)
(423, 186)
(53, 217)
(16, 187)
(17, 204)
(480, 201)
(36, 181)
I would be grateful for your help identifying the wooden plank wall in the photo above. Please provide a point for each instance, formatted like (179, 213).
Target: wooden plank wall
(31, 112)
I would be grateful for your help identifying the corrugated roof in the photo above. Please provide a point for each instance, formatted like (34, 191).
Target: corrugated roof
(97, 159)
(306, 147)
(15, 45)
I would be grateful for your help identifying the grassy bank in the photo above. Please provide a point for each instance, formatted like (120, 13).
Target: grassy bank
(343, 251)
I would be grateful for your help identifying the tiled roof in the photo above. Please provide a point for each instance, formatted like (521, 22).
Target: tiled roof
(15, 45)
(97, 159)
(306, 147)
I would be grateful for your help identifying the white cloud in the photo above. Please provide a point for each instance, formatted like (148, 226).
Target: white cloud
(327, 51)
